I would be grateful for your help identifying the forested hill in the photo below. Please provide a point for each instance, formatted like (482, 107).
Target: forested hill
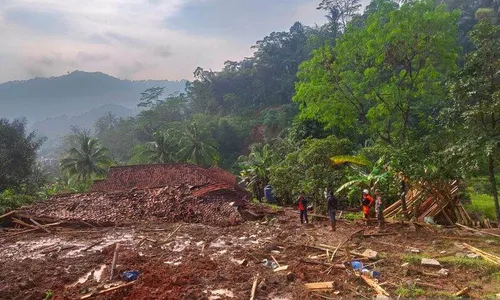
(73, 94)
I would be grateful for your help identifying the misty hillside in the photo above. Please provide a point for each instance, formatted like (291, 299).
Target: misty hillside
(53, 127)
(73, 94)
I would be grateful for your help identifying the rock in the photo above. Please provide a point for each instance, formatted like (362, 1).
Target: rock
(414, 250)
(473, 256)
(290, 276)
(370, 254)
(430, 262)
(444, 272)
(442, 252)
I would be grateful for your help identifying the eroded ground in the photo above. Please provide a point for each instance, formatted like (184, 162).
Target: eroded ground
(205, 262)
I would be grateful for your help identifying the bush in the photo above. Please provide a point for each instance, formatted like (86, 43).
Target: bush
(482, 205)
(10, 200)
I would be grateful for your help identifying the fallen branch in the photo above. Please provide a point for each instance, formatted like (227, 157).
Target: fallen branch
(17, 221)
(93, 245)
(31, 230)
(378, 234)
(336, 266)
(254, 287)
(113, 264)
(108, 290)
(40, 225)
(282, 268)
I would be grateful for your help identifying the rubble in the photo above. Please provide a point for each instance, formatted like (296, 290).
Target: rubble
(430, 262)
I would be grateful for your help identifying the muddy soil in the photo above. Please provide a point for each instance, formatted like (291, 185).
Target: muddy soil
(205, 262)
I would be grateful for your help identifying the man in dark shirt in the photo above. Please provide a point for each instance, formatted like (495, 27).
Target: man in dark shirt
(332, 209)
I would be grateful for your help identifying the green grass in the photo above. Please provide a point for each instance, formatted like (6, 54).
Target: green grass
(409, 292)
(351, 216)
(272, 206)
(414, 259)
(471, 263)
(496, 277)
(482, 204)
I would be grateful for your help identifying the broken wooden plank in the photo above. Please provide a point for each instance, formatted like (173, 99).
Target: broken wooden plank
(320, 285)
(108, 290)
(171, 234)
(254, 287)
(462, 292)
(275, 261)
(34, 229)
(113, 264)
(282, 268)
(8, 214)
(374, 285)
(40, 225)
(378, 234)
(488, 256)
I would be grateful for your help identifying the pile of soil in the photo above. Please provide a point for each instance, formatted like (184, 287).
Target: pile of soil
(172, 204)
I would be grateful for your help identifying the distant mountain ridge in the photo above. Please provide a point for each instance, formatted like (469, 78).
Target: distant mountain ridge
(73, 94)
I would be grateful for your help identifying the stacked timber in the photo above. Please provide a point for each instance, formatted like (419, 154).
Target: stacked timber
(439, 200)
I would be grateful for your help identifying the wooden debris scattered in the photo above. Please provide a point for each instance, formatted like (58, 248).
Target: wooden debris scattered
(487, 256)
(113, 264)
(275, 261)
(40, 225)
(34, 229)
(374, 285)
(475, 230)
(171, 234)
(108, 290)
(17, 221)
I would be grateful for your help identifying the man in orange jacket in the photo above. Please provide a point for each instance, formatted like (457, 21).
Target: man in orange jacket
(302, 201)
(366, 202)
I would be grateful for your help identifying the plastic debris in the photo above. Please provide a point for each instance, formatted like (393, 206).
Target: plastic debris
(130, 275)
(357, 265)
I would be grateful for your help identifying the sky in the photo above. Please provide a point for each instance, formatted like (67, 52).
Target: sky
(138, 39)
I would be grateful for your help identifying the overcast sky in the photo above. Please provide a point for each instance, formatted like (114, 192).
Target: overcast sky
(137, 39)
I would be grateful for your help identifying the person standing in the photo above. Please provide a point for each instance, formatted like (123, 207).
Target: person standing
(303, 208)
(268, 193)
(379, 209)
(332, 209)
(366, 202)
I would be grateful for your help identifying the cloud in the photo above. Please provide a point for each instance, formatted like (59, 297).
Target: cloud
(137, 39)
(163, 51)
(92, 57)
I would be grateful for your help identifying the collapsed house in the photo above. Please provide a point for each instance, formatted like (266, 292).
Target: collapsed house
(148, 193)
(436, 202)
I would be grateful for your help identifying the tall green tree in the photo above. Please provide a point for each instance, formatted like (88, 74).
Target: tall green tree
(384, 80)
(86, 159)
(18, 150)
(198, 146)
(477, 96)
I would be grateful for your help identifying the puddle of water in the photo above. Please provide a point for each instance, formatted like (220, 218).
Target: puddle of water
(217, 294)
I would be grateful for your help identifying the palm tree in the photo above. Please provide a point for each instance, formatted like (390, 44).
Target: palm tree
(198, 147)
(255, 169)
(86, 159)
(161, 150)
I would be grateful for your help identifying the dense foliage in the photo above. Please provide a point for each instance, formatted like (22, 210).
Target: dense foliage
(405, 89)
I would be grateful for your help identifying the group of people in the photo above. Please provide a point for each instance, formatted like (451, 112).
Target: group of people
(367, 202)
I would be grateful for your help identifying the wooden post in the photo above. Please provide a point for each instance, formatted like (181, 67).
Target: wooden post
(113, 264)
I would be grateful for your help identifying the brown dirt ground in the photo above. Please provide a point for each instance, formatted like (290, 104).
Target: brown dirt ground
(200, 261)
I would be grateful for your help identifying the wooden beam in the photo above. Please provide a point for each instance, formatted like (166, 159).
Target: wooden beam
(8, 214)
(254, 287)
(40, 225)
(320, 285)
(113, 264)
(475, 230)
(375, 285)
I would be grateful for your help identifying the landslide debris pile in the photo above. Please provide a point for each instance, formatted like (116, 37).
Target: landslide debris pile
(170, 204)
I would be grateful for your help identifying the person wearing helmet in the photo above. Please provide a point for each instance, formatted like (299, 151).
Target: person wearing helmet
(366, 202)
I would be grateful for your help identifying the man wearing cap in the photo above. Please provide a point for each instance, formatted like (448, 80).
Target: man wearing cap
(366, 202)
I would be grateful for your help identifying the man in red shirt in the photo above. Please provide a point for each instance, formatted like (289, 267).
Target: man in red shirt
(303, 208)
(366, 202)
